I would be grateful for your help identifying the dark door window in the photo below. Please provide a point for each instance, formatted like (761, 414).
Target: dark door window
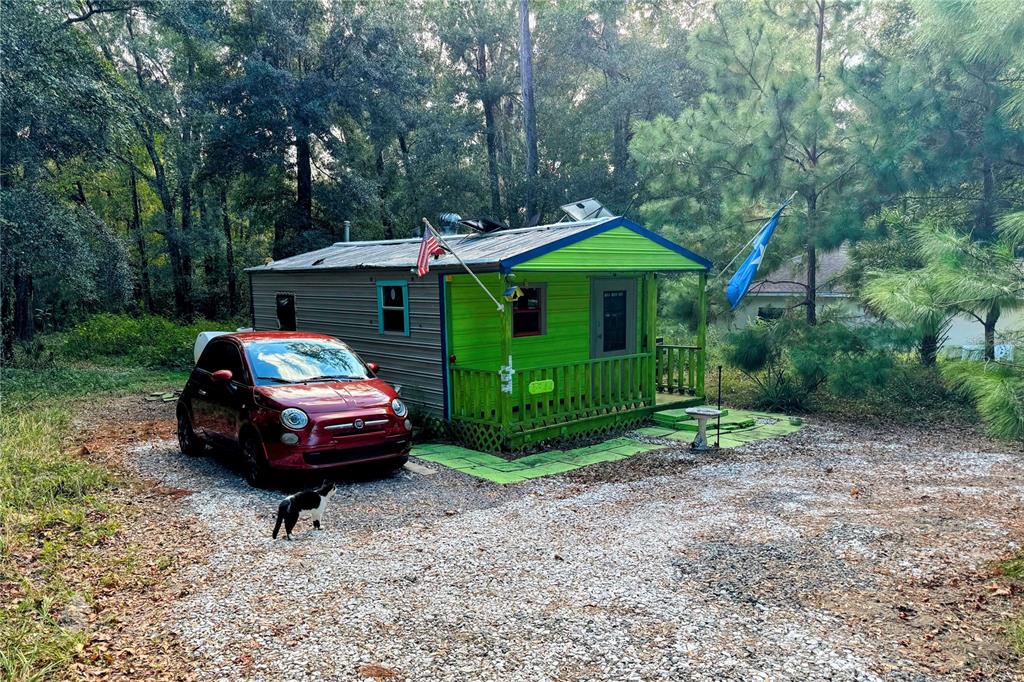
(614, 307)
(286, 312)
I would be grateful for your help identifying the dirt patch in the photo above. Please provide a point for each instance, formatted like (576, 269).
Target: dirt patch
(135, 575)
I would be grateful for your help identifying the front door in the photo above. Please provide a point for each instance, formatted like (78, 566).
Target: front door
(612, 317)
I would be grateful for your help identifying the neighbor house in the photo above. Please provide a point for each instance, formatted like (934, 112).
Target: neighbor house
(569, 349)
(783, 289)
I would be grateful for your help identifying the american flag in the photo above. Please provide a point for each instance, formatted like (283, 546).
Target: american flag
(428, 247)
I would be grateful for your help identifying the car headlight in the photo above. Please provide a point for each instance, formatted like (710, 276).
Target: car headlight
(294, 418)
(399, 407)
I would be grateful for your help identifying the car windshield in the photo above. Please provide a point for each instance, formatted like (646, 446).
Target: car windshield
(300, 360)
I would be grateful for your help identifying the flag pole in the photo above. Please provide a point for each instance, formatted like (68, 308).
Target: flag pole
(501, 308)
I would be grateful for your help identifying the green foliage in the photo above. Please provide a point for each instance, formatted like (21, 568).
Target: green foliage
(147, 341)
(790, 361)
(998, 392)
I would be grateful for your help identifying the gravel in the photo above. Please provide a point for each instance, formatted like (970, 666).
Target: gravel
(831, 554)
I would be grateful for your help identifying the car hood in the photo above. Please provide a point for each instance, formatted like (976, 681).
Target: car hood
(329, 396)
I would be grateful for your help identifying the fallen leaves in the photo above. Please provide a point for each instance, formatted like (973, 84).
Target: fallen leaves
(377, 672)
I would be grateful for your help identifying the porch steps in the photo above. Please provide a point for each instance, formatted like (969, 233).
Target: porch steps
(676, 418)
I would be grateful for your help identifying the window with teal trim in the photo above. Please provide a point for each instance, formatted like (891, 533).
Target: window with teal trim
(393, 307)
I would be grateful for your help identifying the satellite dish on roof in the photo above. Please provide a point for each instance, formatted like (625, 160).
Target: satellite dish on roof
(483, 225)
(586, 209)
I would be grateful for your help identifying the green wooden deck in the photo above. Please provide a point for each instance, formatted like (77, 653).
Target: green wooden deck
(578, 398)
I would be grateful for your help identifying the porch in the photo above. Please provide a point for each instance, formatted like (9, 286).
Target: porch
(573, 399)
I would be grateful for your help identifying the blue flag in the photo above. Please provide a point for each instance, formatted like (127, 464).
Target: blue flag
(740, 282)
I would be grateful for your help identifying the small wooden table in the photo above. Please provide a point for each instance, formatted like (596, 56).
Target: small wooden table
(702, 415)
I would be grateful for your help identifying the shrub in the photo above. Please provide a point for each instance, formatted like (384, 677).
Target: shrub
(148, 341)
(997, 389)
(789, 361)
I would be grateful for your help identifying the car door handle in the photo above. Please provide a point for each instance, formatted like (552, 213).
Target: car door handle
(201, 392)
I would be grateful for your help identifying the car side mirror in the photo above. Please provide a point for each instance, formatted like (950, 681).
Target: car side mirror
(373, 367)
(221, 375)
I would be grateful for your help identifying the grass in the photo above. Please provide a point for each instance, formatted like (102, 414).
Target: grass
(54, 509)
(1014, 568)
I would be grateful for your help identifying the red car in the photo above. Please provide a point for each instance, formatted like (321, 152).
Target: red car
(291, 401)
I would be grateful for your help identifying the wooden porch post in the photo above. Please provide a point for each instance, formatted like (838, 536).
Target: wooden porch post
(505, 402)
(651, 376)
(702, 328)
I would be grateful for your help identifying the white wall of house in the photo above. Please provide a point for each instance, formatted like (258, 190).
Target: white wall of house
(965, 330)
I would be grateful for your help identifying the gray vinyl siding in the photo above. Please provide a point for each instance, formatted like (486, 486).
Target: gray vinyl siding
(344, 304)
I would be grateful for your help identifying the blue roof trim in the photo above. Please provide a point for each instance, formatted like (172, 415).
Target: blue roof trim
(508, 263)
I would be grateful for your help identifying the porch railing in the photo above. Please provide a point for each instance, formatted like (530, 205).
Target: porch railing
(559, 393)
(677, 368)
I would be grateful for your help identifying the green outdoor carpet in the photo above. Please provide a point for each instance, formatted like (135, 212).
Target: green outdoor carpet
(498, 470)
(739, 427)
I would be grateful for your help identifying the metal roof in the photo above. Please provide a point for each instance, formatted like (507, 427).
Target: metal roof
(486, 251)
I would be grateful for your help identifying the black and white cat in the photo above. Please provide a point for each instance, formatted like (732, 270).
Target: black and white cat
(307, 500)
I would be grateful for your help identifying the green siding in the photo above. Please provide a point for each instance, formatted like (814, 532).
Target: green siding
(476, 325)
(617, 250)
(475, 328)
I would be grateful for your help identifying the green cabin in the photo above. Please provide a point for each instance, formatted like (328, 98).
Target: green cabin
(571, 351)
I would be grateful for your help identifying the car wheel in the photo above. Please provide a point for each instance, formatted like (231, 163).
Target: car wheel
(189, 443)
(257, 472)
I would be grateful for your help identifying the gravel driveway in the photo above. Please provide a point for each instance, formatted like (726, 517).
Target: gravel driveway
(829, 554)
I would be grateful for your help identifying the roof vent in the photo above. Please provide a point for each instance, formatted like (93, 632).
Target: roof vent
(586, 209)
(449, 221)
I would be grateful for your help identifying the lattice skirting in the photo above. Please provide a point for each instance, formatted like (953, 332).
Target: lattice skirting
(492, 438)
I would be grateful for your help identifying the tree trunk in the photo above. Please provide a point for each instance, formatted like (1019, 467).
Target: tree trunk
(24, 312)
(620, 154)
(811, 298)
(182, 290)
(385, 215)
(991, 318)
(184, 247)
(489, 128)
(185, 173)
(6, 323)
(506, 159)
(529, 113)
(229, 253)
(410, 177)
(984, 228)
(304, 188)
(135, 229)
(211, 297)
(929, 348)
(621, 115)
